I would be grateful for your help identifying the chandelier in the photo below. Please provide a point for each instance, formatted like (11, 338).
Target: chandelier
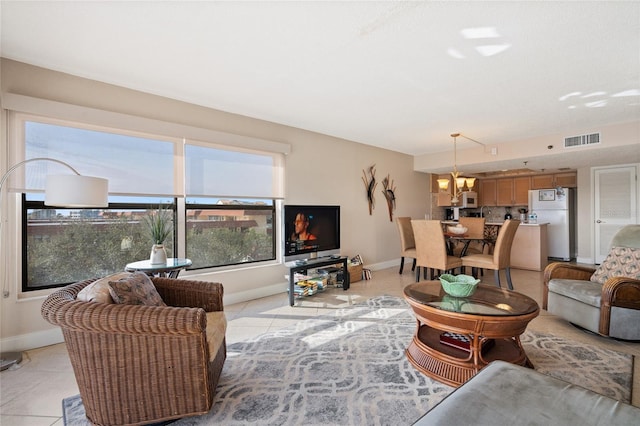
(458, 181)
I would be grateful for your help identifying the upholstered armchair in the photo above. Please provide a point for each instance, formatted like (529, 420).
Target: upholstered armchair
(605, 300)
(138, 364)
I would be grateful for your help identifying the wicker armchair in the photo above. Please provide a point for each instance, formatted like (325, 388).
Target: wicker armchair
(144, 364)
(610, 309)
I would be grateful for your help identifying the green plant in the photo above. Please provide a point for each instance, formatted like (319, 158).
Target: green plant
(160, 224)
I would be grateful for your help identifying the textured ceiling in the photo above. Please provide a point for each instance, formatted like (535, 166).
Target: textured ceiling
(398, 75)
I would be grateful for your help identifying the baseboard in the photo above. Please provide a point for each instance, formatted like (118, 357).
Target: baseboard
(587, 260)
(28, 341)
(256, 293)
(384, 265)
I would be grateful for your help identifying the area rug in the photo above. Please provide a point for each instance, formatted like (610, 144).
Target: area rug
(350, 368)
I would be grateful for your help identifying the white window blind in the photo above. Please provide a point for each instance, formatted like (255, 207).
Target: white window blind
(133, 165)
(218, 172)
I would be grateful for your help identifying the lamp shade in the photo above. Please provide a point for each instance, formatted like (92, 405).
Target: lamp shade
(443, 184)
(76, 191)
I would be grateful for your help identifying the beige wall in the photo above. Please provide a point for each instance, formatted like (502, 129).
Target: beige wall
(320, 169)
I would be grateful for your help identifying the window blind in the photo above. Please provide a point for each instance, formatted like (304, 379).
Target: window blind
(217, 172)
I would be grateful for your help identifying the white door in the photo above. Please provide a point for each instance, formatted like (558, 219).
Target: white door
(615, 204)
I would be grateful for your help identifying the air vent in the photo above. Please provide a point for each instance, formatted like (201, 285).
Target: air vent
(581, 140)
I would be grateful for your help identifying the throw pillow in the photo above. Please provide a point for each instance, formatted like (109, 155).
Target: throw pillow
(138, 289)
(620, 262)
(98, 291)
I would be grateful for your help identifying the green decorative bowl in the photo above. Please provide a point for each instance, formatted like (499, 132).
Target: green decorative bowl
(458, 285)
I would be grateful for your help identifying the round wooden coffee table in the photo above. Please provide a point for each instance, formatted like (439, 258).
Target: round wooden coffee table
(457, 336)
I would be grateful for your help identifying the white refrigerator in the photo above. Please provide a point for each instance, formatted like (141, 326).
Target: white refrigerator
(556, 206)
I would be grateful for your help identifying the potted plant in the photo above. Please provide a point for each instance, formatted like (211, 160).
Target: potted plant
(160, 225)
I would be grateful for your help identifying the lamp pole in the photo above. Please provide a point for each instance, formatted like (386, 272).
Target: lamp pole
(65, 191)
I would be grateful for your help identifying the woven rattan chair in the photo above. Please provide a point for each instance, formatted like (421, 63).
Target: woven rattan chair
(139, 364)
(431, 249)
(501, 257)
(407, 242)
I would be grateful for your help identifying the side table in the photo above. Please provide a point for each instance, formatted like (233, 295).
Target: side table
(170, 270)
(318, 263)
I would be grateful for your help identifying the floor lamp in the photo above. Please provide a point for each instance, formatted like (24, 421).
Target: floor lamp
(70, 190)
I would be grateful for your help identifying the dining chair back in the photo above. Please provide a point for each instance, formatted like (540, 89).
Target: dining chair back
(407, 242)
(431, 249)
(474, 225)
(501, 257)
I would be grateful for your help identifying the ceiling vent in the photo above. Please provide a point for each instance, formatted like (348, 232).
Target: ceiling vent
(581, 140)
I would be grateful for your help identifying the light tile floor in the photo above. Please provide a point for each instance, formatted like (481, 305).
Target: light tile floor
(32, 394)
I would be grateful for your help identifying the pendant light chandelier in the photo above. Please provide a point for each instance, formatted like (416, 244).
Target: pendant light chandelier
(458, 181)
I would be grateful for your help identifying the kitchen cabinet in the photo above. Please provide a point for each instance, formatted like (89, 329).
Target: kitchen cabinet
(566, 179)
(504, 192)
(530, 247)
(444, 199)
(521, 187)
(513, 191)
(487, 192)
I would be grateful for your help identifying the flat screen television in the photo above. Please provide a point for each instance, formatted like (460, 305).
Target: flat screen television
(313, 230)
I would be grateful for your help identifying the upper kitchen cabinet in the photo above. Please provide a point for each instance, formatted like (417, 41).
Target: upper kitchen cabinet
(504, 192)
(521, 187)
(566, 179)
(513, 191)
(487, 192)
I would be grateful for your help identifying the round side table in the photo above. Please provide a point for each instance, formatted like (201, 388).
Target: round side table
(171, 269)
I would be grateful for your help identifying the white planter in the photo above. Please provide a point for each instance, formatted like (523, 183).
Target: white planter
(158, 255)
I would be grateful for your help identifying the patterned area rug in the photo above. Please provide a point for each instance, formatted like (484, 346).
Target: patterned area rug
(350, 368)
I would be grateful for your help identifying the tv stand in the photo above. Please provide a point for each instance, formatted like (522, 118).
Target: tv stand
(318, 263)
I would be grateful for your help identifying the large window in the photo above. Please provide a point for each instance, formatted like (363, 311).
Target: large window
(229, 232)
(63, 246)
(223, 200)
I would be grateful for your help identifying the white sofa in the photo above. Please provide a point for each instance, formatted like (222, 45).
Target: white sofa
(507, 394)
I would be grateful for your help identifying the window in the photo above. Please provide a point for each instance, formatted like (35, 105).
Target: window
(229, 232)
(62, 246)
(223, 199)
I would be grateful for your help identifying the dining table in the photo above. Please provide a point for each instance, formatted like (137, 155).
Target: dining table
(465, 239)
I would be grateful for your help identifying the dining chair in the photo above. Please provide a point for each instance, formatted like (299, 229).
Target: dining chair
(407, 242)
(501, 257)
(431, 249)
(475, 229)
